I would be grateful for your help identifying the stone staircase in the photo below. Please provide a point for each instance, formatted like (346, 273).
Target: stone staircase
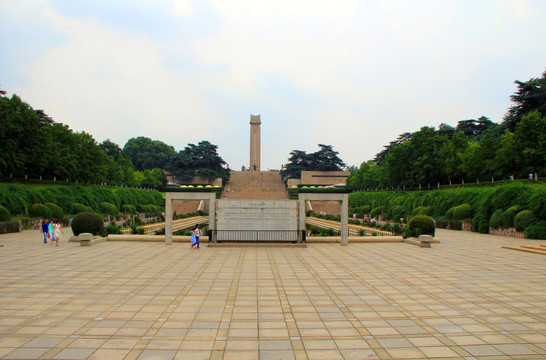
(255, 185)
(535, 249)
(185, 206)
(326, 207)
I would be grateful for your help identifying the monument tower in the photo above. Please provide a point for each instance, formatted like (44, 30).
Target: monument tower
(255, 123)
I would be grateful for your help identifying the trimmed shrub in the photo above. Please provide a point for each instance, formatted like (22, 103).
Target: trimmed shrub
(536, 231)
(40, 211)
(398, 213)
(112, 228)
(365, 209)
(496, 219)
(422, 223)
(107, 208)
(78, 208)
(128, 209)
(378, 211)
(462, 212)
(56, 211)
(508, 216)
(89, 222)
(422, 210)
(523, 219)
(4, 214)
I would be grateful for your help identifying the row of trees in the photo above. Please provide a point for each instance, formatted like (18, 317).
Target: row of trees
(34, 146)
(477, 149)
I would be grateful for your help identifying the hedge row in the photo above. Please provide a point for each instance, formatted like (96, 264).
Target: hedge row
(18, 198)
(455, 205)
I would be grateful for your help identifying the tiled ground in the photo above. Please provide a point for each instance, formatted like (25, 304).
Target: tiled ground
(465, 298)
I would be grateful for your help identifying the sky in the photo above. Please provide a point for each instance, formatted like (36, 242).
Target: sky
(353, 74)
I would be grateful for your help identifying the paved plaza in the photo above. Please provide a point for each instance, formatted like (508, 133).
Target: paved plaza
(465, 298)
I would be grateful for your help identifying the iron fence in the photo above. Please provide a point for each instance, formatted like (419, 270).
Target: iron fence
(294, 236)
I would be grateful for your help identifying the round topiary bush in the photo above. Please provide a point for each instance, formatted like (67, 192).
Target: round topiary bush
(87, 222)
(57, 212)
(536, 231)
(378, 211)
(422, 224)
(128, 209)
(78, 208)
(509, 215)
(496, 219)
(39, 211)
(399, 212)
(108, 209)
(462, 212)
(4, 214)
(365, 209)
(523, 219)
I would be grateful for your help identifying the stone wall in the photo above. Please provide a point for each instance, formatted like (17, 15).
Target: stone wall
(257, 215)
(324, 177)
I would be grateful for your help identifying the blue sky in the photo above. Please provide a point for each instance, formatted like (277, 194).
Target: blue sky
(352, 74)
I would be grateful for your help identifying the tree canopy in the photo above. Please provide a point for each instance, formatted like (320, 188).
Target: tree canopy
(147, 154)
(199, 160)
(325, 159)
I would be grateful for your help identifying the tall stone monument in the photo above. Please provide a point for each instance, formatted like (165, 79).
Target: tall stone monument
(255, 123)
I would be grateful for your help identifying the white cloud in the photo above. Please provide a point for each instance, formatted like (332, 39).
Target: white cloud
(352, 74)
(183, 7)
(111, 84)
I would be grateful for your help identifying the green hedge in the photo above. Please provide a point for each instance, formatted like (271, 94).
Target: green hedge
(496, 219)
(509, 215)
(18, 198)
(40, 211)
(107, 208)
(536, 231)
(57, 212)
(523, 219)
(5, 216)
(128, 209)
(78, 208)
(484, 201)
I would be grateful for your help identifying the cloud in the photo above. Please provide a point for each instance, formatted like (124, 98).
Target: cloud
(351, 74)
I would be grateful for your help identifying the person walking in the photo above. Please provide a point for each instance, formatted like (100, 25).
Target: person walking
(50, 232)
(196, 233)
(57, 231)
(45, 230)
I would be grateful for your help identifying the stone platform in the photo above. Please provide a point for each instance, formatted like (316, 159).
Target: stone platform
(464, 298)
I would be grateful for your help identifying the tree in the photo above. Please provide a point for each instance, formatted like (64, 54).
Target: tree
(325, 159)
(531, 95)
(452, 153)
(507, 158)
(387, 148)
(474, 128)
(199, 160)
(368, 176)
(146, 153)
(530, 136)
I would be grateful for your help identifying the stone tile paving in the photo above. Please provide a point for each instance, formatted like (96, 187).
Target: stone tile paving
(465, 298)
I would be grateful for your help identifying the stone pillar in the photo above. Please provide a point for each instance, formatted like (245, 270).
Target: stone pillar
(345, 220)
(168, 219)
(255, 123)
